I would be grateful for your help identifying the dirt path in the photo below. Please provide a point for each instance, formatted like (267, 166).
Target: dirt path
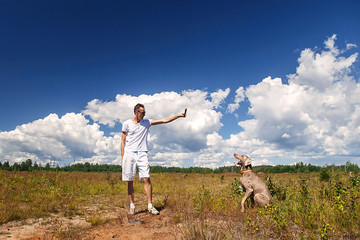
(115, 224)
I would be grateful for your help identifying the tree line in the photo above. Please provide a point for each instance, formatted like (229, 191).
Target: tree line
(28, 165)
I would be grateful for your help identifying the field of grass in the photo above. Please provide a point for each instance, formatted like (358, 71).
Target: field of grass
(203, 206)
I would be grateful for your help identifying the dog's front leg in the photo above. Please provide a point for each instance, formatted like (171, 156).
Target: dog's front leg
(248, 192)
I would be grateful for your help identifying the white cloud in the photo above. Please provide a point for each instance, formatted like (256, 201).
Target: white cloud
(210, 165)
(239, 97)
(54, 138)
(350, 45)
(209, 158)
(72, 136)
(317, 112)
(213, 139)
(187, 134)
(315, 115)
(219, 97)
(321, 70)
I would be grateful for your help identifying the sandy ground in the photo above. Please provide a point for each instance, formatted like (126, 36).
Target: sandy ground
(109, 224)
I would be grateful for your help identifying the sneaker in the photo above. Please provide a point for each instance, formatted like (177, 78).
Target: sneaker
(153, 211)
(132, 211)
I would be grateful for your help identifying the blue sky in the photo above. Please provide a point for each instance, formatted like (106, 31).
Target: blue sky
(57, 57)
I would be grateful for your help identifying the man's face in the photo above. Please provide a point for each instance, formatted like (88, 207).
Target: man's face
(140, 113)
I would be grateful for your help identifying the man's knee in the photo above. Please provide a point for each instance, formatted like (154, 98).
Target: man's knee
(146, 180)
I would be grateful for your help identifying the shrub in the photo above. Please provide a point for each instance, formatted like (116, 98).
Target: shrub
(324, 175)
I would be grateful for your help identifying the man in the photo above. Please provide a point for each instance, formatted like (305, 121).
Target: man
(134, 153)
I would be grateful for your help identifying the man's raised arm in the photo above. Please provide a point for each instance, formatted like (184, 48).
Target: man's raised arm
(169, 119)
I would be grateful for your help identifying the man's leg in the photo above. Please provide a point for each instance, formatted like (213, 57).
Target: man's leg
(128, 174)
(130, 191)
(148, 189)
(148, 192)
(144, 174)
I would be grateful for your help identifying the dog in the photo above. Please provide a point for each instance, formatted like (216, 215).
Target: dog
(254, 187)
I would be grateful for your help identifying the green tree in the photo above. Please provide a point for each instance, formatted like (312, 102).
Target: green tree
(15, 167)
(6, 165)
(47, 167)
(36, 167)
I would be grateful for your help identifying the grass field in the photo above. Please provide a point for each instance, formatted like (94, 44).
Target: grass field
(203, 206)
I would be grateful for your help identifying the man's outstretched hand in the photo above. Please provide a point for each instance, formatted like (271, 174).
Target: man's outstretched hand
(184, 113)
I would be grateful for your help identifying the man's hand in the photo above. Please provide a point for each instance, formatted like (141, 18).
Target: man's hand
(184, 113)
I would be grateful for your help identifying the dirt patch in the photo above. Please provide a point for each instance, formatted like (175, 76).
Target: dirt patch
(140, 226)
(114, 224)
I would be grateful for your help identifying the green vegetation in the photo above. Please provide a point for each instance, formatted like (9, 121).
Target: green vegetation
(36, 194)
(79, 167)
(324, 205)
(303, 208)
(28, 165)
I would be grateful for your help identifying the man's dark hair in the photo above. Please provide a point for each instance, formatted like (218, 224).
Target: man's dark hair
(137, 106)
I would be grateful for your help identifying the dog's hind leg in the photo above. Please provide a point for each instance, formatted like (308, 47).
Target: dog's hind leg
(261, 199)
(252, 199)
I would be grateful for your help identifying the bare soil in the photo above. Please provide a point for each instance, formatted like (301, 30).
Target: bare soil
(112, 223)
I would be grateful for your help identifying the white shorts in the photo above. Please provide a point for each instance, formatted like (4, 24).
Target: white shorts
(131, 160)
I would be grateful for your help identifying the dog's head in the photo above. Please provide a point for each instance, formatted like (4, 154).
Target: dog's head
(242, 160)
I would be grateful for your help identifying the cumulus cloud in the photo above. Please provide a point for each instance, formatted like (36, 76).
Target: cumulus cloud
(58, 139)
(72, 136)
(317, 112)
(321, 70)
(219, 96)
(239, 97)
(314, 114)
(187, 134)
(311, 117)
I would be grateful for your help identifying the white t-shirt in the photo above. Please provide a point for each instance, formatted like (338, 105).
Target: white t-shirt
(136, 139)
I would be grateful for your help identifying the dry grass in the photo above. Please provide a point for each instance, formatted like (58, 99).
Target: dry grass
(203, 206)
(208, 206)
(31, 195)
